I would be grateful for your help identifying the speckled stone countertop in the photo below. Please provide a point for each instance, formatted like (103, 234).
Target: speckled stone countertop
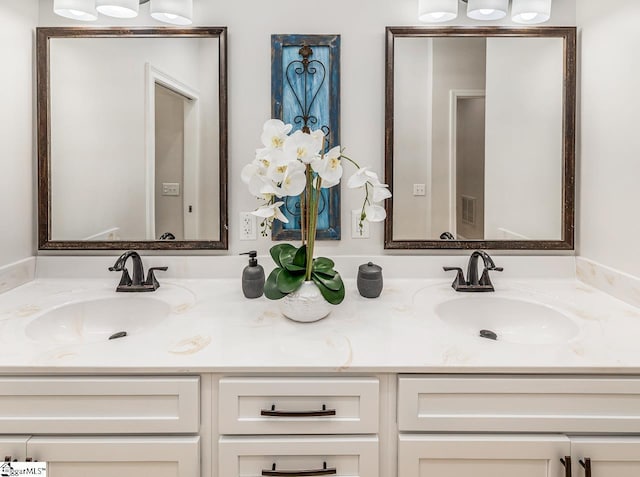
(212, 328)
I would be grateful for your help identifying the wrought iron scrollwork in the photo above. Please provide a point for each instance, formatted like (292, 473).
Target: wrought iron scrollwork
(307, 69)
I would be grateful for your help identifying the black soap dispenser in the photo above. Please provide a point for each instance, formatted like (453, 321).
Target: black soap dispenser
(253, 277)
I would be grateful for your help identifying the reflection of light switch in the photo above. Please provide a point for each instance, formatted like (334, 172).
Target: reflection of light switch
(171, 188)
(419, 189)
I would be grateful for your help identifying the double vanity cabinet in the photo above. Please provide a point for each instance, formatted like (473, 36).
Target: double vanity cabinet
(443, 425)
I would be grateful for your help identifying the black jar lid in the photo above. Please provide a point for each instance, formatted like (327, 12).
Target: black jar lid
(370, 271)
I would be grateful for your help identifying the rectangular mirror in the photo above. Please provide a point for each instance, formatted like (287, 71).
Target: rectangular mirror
(132, 138)
(480, 138)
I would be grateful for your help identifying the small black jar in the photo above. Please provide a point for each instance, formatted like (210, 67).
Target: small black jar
(370, 280)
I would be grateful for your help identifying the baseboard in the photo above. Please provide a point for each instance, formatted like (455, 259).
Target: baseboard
(619, 284)
(17, 274)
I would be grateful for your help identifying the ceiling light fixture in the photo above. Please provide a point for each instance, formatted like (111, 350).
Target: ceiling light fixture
(175, 12)
(82, 10)
(522, 11)
(487, 9)
(436, 11)
(531, 11)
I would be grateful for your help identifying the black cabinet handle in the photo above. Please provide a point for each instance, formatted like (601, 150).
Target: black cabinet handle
(301, 473)
(273, 413)
(586, 465)
(567, 465)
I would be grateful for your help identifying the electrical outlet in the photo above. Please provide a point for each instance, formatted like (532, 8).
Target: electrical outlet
(419, 189)
(356, 231)
(248, 226)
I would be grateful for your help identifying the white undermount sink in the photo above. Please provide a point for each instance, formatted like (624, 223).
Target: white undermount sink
(97, 320)
(512, 320)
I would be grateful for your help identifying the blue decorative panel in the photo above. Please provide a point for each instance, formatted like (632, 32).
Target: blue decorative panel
(305, 92)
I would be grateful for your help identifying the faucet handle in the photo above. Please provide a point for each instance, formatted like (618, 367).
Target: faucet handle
(151, 276)
(459, 280)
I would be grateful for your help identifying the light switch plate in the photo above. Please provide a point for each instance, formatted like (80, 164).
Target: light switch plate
(171, 189)
(419, 189)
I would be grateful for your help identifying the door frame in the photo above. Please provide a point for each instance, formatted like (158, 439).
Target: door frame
(190, 186)
(454, 96)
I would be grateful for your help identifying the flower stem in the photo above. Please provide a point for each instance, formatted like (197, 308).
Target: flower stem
(313, 225)
(351, 161)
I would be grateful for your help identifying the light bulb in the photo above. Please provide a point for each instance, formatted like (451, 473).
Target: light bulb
(528, 16)
(487, 11)
(437, 11)
(118, 8)
(437, 15)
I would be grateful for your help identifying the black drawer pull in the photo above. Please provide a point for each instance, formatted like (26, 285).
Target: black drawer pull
(567, 465)
(273, 413)
(301, 473)
(586, 465)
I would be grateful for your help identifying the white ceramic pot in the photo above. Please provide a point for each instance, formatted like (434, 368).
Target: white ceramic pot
(306, 304)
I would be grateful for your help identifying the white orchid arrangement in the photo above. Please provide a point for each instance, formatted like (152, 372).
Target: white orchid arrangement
(296, 164)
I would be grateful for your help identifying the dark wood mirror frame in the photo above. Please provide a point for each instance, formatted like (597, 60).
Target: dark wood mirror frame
(43, 37)
(568, 34)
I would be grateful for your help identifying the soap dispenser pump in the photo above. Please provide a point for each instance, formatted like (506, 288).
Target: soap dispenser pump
(253, 277)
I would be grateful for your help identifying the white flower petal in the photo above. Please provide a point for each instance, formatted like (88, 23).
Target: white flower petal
(380, 193)
(248, 172)
(294, 184)
(302, 147)
(359, 179)
(375, 213)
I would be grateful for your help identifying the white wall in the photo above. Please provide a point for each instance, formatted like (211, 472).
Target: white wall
(17, 213)
(361, 24)
(609, 223)
(413, 85)
(523, 161)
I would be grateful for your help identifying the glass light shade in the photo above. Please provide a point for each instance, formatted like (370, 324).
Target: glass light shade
(118, 8)
(487, 9)
(83, 10)
(531, 11)
(176, 12)
(437, 11)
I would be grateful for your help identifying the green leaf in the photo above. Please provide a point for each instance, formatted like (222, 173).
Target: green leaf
(270, 286)
(300, 258)
(288, 282)
(277, 250)
(323, 264)
(298, 262)
(332, 283)
(326, 273)
(335, 297)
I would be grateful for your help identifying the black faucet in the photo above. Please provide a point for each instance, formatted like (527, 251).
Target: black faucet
(473, 283)
(137, 283)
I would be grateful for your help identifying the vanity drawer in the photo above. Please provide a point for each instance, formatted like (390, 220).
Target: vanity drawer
(518, 404)
(104, 405)
(349, 456)
(298, 406)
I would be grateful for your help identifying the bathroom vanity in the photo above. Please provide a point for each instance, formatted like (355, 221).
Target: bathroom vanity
(385, 387)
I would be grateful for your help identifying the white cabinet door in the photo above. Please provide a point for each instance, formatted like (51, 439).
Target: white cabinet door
(481, 456)
(606, 456)
(115, 456)
(13, 447)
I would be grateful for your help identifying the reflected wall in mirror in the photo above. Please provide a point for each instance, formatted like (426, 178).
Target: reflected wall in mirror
(480, 138)
(132, 138)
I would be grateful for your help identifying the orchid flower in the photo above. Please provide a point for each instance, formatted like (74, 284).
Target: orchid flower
(274, 133)
(374, 213)
(302, 147)
(328, 167)
(271, 211)
(362, 177)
